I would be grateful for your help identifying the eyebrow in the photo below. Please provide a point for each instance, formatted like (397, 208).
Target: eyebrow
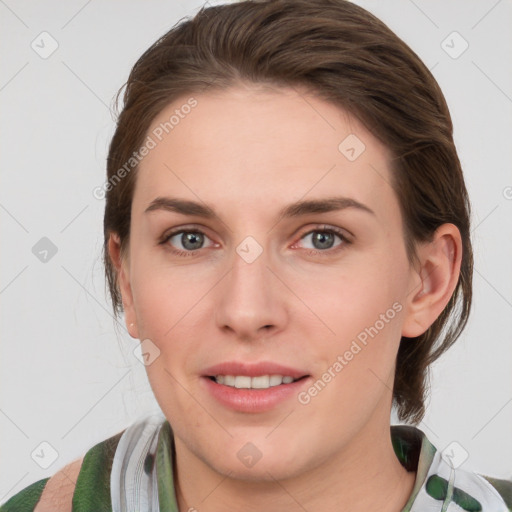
(296, 209)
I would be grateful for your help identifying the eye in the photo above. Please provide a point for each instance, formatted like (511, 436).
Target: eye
(184, 242)
(324, 240)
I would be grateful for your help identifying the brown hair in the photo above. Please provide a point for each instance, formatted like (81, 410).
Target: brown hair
(342, 54)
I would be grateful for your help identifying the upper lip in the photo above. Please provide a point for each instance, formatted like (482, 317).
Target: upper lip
(253, 369)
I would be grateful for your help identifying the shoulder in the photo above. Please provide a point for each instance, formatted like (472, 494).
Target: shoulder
(57, 495)
(85, 483)
(503, 487)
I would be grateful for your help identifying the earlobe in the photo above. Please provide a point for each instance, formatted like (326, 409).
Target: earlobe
(432, 285)
(124, 284)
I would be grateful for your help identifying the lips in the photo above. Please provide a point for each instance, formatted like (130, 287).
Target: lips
(238, 368)
(228, 384)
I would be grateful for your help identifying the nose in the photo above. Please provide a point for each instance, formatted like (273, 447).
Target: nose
(250, 302)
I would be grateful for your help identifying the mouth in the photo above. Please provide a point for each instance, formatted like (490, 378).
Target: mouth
(257, 382)
(253, 387)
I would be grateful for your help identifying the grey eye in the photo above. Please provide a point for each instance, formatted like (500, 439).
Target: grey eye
(190, 240)
(322, 239)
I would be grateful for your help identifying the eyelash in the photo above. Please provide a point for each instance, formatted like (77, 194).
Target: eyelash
(319, 229)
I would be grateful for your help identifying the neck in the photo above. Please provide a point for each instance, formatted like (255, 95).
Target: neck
(367, 475)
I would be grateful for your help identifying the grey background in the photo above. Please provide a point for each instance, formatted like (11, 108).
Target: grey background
(68, 378)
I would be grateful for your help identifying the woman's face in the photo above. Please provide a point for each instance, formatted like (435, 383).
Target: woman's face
(264, 231)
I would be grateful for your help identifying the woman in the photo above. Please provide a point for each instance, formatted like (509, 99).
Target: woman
(287, 233)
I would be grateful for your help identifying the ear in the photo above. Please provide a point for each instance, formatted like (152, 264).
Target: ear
(433, 282)
(123, 280)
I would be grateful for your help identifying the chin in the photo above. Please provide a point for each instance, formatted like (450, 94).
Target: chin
(259, 461)
(262, 471)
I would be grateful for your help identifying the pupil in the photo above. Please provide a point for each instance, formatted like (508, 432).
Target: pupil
(325, 240)
(191, 238)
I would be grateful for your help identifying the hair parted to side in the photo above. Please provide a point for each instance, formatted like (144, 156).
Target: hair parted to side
(346, 56)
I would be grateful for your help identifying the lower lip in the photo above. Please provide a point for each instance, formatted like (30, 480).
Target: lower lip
(253, 400)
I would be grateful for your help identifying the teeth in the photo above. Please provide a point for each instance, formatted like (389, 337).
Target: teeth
(275, 380)
(246, 382)
(242, 381)
(229, 380)
(259, 382)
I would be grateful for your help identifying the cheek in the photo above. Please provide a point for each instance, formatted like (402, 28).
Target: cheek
(363, 308)
(354, 296)
(172, 308)
(167, 308)
(163, 296)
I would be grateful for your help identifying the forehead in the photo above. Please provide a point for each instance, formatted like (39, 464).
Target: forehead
(258, 146)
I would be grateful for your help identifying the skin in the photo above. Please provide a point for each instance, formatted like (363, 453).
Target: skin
(247, 152)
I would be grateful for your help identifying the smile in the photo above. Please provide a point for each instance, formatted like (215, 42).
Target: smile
(259, 382)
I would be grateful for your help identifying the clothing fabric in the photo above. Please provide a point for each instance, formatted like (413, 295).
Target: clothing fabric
(132, 471)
